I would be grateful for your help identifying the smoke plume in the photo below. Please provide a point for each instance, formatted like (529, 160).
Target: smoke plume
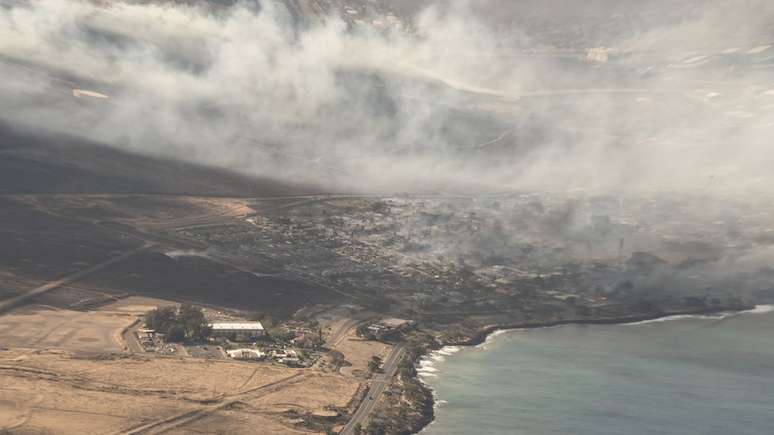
(485, 95)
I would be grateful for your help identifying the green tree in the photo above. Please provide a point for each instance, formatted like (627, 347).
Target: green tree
(407, 369)
(161, 319)
(376, 428)
(357, 429)
(193, 321)
(375, 363)
(280, 334)
(187, 323)
(176, 333)
(413, 352)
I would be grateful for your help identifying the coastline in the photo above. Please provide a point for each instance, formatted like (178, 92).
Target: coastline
(481, 335)
(484, 333)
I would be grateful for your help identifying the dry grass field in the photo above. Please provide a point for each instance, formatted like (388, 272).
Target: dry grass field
(45, 327)
(62, 392)
(67, 372)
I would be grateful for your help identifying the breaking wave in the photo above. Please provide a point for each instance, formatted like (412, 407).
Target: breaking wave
(759, 309)
(448, 350)
(490, 338)
(426, 368)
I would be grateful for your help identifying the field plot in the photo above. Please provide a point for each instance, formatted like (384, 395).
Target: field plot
(38, 245)
(137, 305)
(29, 405)
(147, 211)
(240, 419)
(11, 286)
(358, 353)
(60, 392)
(46, 327)
(202, 280)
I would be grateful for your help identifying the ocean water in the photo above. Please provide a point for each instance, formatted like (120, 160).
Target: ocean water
(691, 375)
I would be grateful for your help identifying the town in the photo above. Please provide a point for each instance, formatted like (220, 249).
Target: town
(352, 290)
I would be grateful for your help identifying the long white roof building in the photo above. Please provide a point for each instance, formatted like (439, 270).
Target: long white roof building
(237, 326)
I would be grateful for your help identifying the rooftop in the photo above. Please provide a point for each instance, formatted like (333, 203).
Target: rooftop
(237, 326)
(395, 323)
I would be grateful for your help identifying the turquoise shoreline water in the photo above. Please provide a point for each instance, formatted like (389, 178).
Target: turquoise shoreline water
(684, 375)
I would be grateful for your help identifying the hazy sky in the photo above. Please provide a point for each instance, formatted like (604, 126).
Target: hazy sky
(493, 95)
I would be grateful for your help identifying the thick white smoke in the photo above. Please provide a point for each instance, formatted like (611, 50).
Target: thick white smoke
(476, 95)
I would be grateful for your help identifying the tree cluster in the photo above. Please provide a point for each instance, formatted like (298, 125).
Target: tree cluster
(363, 331)
(375, 364)
(406, 369)
(184, 324)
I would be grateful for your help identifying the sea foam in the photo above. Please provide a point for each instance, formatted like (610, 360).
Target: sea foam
(437, 357)
(759, 309)
(679, 317)
(448, 350)
(426, 368)
(490, 338)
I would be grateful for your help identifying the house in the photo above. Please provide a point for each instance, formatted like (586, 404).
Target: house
(146, 333)
(389, 325)
(239, 331)
(291, 361)
(284, 353)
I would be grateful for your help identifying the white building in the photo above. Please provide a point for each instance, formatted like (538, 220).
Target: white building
(387, 325)
(238, 330)
(245, 354)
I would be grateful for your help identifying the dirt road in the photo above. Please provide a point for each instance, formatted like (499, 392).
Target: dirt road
(175, 421)
(129, 337)
(25, 297)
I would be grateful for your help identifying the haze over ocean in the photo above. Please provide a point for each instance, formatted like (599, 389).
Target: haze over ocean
(688, 375)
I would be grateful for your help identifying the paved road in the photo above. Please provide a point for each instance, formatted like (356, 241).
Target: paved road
(378, 385)
(25, 297)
